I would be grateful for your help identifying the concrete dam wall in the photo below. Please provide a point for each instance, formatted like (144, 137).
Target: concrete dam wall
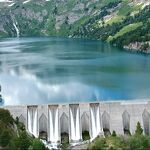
(76, 118)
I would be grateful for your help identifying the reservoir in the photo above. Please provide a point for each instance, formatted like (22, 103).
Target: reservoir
(61, 70)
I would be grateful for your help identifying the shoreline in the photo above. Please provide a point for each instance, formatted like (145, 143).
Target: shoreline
(132, 47)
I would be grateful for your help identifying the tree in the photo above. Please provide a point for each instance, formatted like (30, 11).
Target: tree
(114, 134)
(37, 145)
(17, 120)
(23, 142)
(139, 129)
(5, 117)
(5, 138)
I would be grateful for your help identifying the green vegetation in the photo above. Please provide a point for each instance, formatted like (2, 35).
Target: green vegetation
(120, 22)
(13, 135)
(138, 141)
(122, 29)
(139, 129)
(85, 135)
(115, 19)
(125, 29)
(65, 140)
(37, 145)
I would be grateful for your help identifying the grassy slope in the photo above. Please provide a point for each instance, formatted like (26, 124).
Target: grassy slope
(125, 30)
(120, 26)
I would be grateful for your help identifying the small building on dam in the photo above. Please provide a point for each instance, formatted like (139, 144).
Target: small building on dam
(74, 119)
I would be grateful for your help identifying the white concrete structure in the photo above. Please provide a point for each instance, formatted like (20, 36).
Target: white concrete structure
(76, 118)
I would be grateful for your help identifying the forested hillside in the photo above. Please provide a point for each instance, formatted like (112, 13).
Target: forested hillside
(124, 23)
(13, 135)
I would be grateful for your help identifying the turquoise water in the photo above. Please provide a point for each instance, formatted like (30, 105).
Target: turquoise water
(52, 70)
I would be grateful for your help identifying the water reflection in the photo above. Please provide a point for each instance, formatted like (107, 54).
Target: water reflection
(52, 70)
(27, 89)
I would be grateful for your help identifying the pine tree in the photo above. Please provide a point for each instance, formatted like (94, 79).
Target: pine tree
(114, 134)
(139, 129)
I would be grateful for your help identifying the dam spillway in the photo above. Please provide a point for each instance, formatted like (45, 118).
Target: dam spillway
(75, 134)
(95, 120)
(53, 124)
(74, 119)
(32, 124)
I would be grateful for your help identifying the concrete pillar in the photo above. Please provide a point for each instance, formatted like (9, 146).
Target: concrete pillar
(95, 120)
(54, 124)
(74, 123)
(32, 120)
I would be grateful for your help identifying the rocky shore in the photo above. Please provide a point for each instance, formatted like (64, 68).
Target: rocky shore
(143, 47)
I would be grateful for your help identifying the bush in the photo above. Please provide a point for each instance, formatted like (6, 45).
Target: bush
(37, 145)
(114, 142)
(139, 142)
(23, 142)
(114, 134)
(98, 144)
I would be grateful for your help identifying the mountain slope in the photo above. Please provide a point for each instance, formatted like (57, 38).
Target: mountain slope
(110, 20)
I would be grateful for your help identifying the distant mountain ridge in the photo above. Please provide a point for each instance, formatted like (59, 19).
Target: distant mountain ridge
(109, 20)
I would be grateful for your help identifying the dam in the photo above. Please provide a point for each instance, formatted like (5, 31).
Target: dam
(74, 119)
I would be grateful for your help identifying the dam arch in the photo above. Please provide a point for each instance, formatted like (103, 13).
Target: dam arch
(85, 122)
(43, 128)
(126, 122)
(146, 122)
(106, 123)
(22, 119)
(64, 128)
(64, 123)
(85, 127)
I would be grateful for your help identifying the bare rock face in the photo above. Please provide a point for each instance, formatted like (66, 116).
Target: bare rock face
(139, 46)
(44, 15)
